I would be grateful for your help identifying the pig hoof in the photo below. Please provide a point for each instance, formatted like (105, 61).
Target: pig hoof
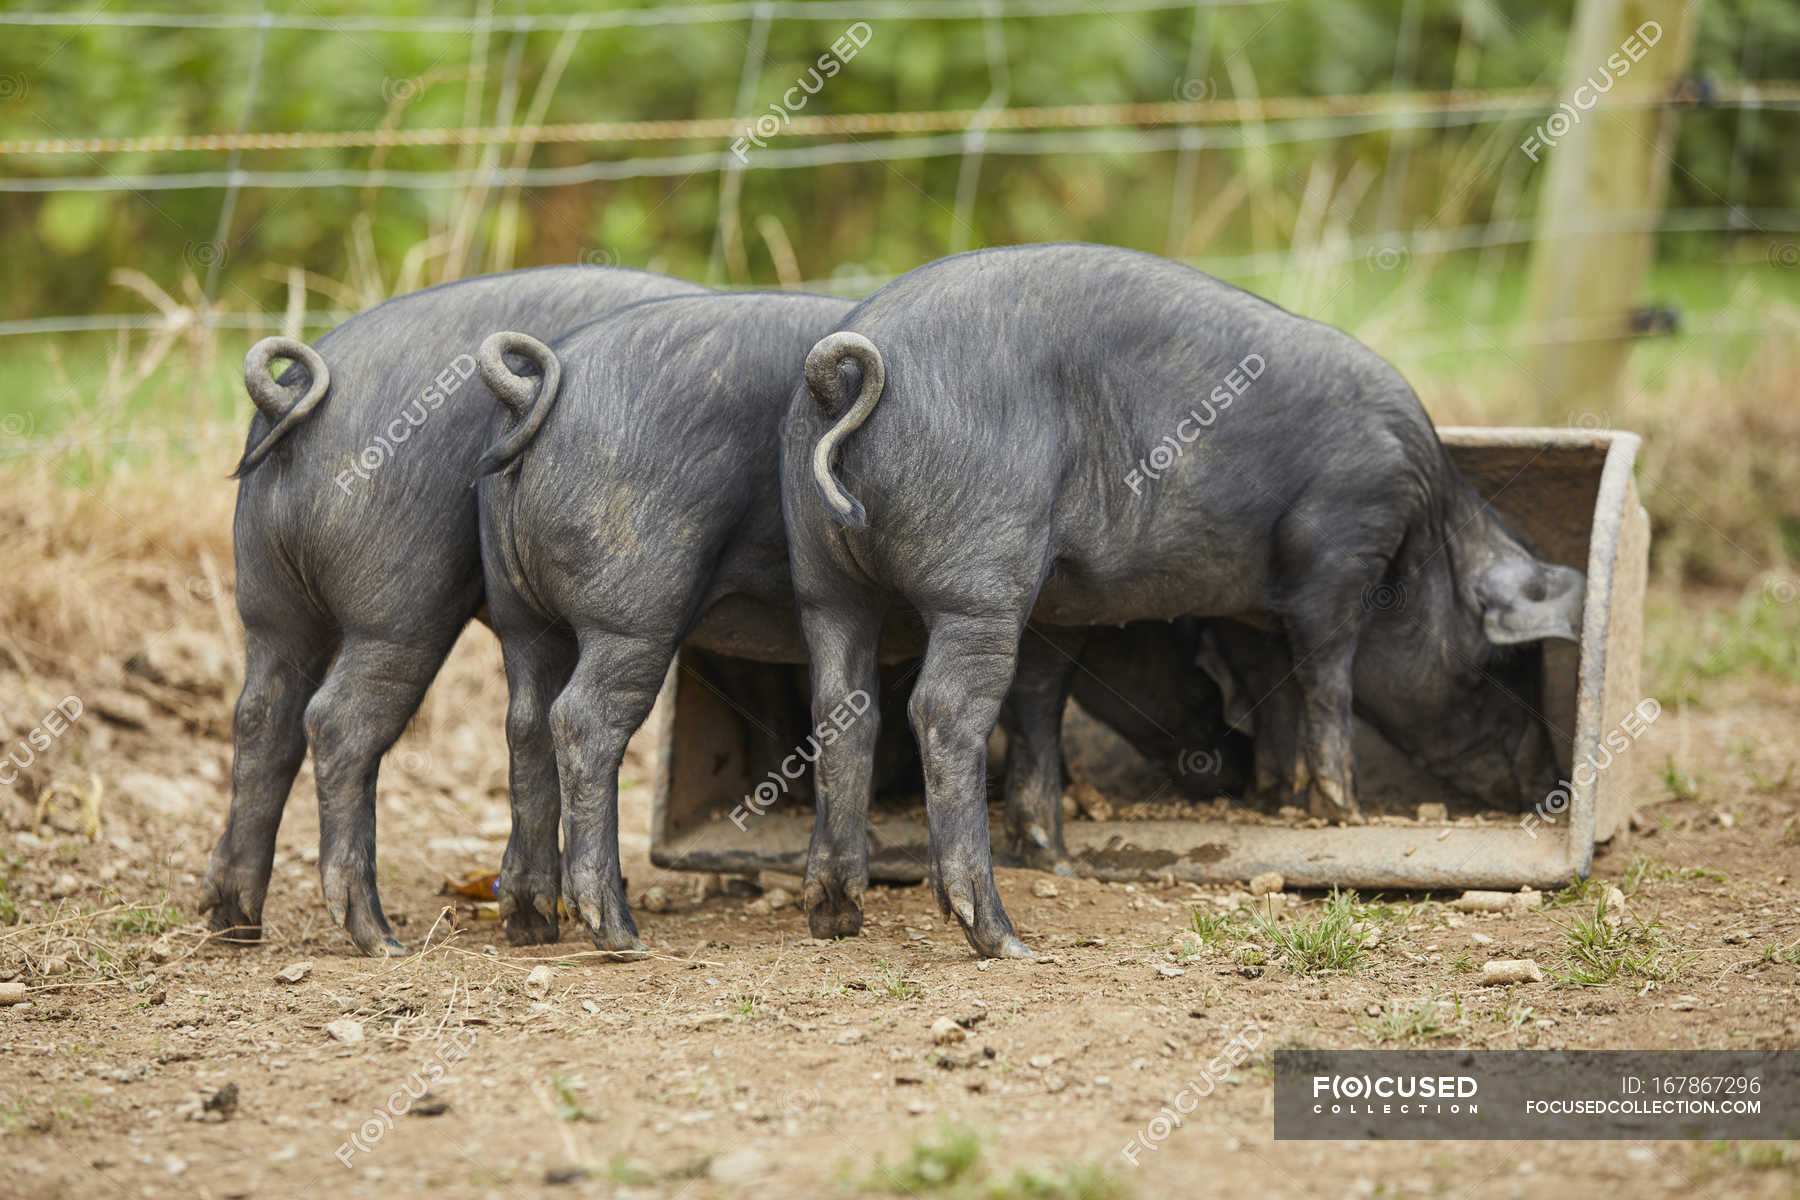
(231, 912)
(1012, 947)
(978, 910)
(612, 929)
(624, 946)
(369, 930)
(1331, 801)
(227, 918)
(833, 907)
(1040, 852)
(532, 923)
(835, 918)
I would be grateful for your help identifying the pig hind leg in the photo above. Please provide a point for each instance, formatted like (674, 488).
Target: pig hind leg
(1266, 695)
(844, 640)
(285, 657)
(1034, 760)
(1322, 615)
(538, 662)
(610, 693)
(968, 667)
(371, 693)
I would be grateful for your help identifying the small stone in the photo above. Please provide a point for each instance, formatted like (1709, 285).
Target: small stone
(347, 1030)
(1168, 972)
(429, 1105)
(1511, 970)
(917, 1107)
(1497, 902)
(1433, 814)
(737, 1166)
(1268, 881)
(759, 907)
(946, 1032)
(66, 885)
(56, 964)
(1727, 820)
(655, 899)
(1043, 889)
(294, 972)
(1685, 1004)
(12, 993)
(537, 984)
(778, 898)
(1482, 939)
(589, 1007)
(1042, 1062)
(161, 951)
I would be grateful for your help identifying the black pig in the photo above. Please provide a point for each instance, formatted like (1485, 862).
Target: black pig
(1085, 435)
(359, 562)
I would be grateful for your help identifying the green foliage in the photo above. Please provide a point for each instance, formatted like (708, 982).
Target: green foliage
(1335, 940)
(93, 80)
(1416, 1023)
(149, 920)
(1624, 948)
(933, 1163)
(568, 1103)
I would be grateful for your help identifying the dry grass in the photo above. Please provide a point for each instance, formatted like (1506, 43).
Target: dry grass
(93, 571)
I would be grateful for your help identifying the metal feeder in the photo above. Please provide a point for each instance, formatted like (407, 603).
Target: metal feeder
(1569, 492)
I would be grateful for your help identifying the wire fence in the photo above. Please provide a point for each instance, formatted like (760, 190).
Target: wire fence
(1185, 127)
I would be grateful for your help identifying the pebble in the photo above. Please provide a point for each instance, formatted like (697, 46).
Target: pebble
(1434, 814)
(737, 1166)
(294, 972)
(12, 993)
(777, 898)
(1497, 902)
(655, 899)
(1170, 972)
(1268, 881)
(56, 964)
(946, 1032)
(537, 984)
(347, 1030)
(65, 885)
(1482, 939)
(1511, 970)
(1043, 889)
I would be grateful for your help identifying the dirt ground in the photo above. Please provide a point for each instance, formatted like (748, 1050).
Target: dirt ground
(744, 1057)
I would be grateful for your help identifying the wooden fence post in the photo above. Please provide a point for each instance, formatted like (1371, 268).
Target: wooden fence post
(1606, 154)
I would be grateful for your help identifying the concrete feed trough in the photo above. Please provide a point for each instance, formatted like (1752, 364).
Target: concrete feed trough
(1569, 492)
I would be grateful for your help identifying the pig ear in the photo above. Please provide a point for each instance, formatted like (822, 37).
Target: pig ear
(1524, 600)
